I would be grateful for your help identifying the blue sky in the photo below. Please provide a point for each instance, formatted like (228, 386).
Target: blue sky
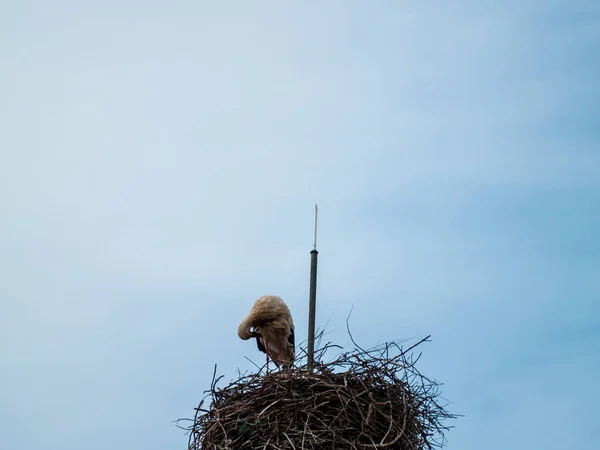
(159, 162)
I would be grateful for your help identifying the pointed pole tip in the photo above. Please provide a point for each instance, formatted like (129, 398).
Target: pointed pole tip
(315, 228)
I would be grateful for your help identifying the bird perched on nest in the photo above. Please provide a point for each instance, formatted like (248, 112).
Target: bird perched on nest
(270, 322)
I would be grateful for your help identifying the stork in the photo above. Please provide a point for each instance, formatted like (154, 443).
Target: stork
(270, 322)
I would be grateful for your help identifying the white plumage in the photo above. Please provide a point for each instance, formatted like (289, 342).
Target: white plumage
(270, 322)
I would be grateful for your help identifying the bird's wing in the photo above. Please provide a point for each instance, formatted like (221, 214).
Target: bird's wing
(291, 338)
(260, 346)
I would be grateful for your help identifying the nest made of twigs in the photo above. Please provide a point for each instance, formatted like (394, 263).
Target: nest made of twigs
(362, 399)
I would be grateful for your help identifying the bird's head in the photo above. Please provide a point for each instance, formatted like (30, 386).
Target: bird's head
(246, 332)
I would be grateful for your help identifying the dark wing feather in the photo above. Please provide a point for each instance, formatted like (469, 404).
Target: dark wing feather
(260, 323)
(260, 346)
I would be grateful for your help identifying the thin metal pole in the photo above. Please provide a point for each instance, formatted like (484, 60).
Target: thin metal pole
(312, 296)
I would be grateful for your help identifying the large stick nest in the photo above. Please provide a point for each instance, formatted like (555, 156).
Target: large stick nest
(362, 399)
